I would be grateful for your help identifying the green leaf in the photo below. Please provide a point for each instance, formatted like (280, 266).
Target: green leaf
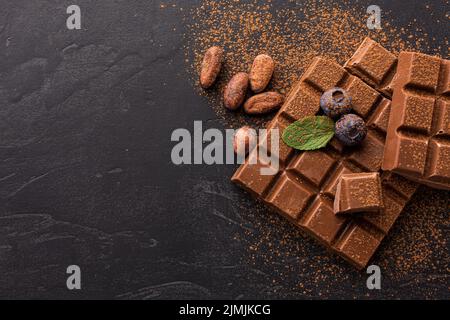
(310, 133)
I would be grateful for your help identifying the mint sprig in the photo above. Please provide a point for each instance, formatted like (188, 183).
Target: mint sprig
(310, 133)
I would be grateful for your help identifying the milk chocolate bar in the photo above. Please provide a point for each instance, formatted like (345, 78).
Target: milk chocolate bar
(375, 65)
(303, 190)
(359, 192)
(418, 139)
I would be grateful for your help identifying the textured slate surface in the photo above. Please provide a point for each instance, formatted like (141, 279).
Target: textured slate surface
(85, 172)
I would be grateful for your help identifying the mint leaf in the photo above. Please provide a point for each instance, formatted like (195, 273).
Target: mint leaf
(310, 133)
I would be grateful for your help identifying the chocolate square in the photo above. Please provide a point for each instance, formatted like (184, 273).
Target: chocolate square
(359, 192)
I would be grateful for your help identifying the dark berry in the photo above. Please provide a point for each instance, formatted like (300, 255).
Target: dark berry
(336, 102)
(351, 130)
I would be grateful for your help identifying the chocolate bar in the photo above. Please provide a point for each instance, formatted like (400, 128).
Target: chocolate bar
(375, 65)
(304, 188)
(359, 192)
(418, 139)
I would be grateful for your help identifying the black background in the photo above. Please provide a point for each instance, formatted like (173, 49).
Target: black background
(86, 177)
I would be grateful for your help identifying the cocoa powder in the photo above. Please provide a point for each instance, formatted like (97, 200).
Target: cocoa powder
(308, 28)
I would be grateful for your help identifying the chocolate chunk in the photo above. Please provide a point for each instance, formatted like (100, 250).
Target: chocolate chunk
(359, 192)
(303, 189)
(418, 137)
(375, 65)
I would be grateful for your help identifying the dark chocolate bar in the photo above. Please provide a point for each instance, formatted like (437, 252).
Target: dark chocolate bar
(418, 139)
(303, 190)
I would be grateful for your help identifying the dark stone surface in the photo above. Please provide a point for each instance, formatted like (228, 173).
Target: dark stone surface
(85, 172)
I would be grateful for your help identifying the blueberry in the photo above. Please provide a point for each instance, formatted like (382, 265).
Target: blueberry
(336, 102)
(351, 130)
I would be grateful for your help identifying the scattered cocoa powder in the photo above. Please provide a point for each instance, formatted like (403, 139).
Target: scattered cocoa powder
(414, 258)
(292, 33)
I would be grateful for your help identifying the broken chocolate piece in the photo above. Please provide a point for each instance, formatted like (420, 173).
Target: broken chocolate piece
(374, 65)
(359, 192)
